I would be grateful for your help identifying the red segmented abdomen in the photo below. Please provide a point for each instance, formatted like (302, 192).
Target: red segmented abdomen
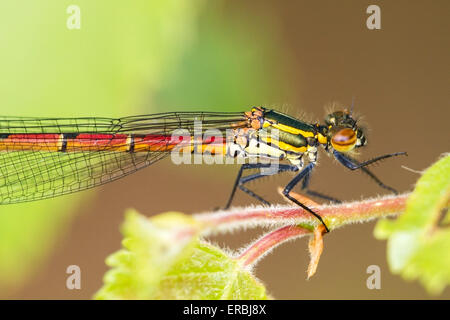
(87, 142)
(165, 143)
(95, 142)
(31, 142)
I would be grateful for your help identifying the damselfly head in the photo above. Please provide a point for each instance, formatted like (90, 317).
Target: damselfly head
(343, 132)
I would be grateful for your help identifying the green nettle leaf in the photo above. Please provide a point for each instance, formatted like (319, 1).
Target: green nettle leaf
(418, 241)
(163, 258)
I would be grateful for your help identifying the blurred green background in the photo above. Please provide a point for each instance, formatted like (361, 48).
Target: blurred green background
(174, 55)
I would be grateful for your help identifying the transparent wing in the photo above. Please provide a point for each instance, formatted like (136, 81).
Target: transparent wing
(28, 176)
(35, 175)
(154, 123)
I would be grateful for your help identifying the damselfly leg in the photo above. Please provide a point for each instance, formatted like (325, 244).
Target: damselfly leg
(305, 189)
(299, 177)
(305, 176)
(240, 181)
(353, 164)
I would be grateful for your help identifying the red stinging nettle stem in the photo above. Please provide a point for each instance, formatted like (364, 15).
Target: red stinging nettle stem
(297, 222)
(268, 242)
(334, 215)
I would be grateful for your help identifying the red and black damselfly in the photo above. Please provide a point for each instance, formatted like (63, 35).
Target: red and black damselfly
(48, 157)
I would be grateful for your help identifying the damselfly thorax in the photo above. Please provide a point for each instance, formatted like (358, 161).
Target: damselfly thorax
(48, 157)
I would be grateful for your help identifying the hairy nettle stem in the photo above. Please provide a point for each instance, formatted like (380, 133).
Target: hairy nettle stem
(294, 222)
(265, 244)
(334, 215)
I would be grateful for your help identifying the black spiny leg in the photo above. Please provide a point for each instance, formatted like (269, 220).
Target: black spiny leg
(305, 185)
(240, 181)
(353, 164)
(378, 181)
(286, 192)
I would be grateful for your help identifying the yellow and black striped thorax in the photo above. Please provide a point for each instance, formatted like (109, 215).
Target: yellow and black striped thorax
(291, 135)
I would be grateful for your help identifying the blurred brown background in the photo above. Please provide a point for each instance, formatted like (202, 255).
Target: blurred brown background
(399, 77)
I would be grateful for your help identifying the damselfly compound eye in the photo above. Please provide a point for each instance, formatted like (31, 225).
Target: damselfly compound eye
(344, 140)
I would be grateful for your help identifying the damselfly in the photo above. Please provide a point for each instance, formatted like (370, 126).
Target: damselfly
(48, 157)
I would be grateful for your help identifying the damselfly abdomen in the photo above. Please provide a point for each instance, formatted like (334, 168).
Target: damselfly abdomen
(47, 157)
